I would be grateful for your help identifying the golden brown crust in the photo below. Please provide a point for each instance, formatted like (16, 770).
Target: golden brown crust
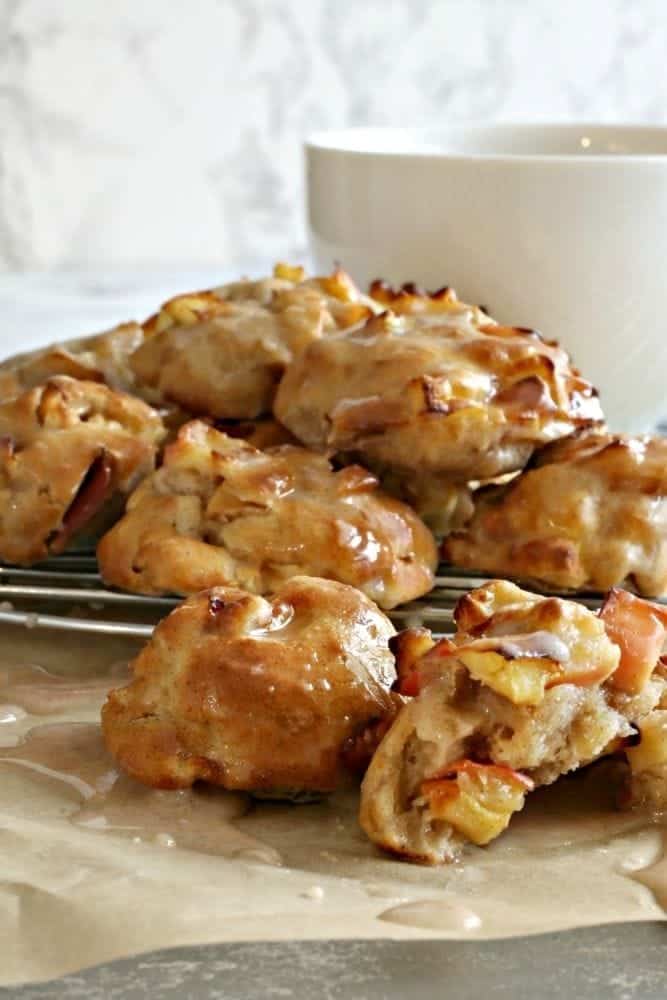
(253, 694)
(526, 684)
(589, 512)
(68, 449)
(410, 299)
(438, 394)
(222, 352)
(219, 511)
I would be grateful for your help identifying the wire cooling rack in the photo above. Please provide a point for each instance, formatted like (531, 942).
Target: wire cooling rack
(71, 585)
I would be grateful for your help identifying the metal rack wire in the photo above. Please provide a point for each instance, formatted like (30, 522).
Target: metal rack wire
(71, 584)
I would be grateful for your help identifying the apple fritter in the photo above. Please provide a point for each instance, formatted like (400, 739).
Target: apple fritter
(221, 353)
(221, 512)
(102, 357)
(70, 451)
(529, 688)
(254, 694)
(590, 512)
(444, 394)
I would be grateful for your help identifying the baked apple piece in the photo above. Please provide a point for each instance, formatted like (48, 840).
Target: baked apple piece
(589, 512)
(639, 628)
(253, 694)
(221, 352)
(525, 691)
(220, 511)
(446, 394)
(70, 451)
(647, 786)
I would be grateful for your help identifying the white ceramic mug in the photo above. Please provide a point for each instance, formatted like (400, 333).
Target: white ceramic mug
(562, 228)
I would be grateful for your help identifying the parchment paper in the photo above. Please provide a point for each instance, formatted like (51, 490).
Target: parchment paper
(90, 877)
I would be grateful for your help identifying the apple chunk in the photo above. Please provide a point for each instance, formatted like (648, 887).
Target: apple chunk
(408, 648)
(522, 679)
(638, 628)
(651, 751)
(477, 800)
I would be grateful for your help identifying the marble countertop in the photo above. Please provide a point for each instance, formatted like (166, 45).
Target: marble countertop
(137, 132)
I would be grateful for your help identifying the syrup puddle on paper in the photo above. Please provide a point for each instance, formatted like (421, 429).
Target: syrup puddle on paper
(198, 819)
(36, 691)
(654, 876)
(434, 914)
(569, 854)
(569, 859)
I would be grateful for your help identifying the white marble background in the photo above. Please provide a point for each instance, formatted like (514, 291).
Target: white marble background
(153, 133)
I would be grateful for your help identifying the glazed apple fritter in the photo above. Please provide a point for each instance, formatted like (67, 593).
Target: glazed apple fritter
(589, 512)
(445, 506)
(444, 394)
(529, 688)
(69, 450)
(219, 511)
(102, 357)
(221, 353)
(254, 694)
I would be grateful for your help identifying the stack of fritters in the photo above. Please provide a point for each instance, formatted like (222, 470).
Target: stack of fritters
(308, 430)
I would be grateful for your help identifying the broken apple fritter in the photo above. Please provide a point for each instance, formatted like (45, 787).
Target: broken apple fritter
(529, 688)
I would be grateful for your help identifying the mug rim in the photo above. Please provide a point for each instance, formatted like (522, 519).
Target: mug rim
(429, 143)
